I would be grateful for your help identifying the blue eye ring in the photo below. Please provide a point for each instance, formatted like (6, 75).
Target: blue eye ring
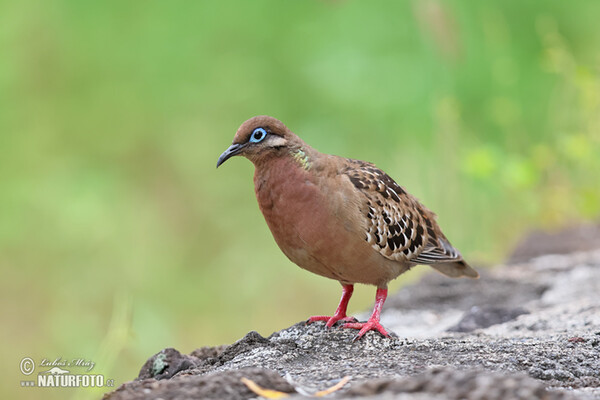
(257, 135)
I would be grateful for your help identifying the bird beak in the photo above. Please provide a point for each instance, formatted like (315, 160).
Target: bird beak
(233, 150)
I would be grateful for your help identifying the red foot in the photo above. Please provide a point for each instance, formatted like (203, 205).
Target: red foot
(340, 313)
(373, 323)
(370, 325)
(330, 320)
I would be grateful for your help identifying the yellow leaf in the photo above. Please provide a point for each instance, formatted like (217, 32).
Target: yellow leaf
(266, 393)
(334, 388)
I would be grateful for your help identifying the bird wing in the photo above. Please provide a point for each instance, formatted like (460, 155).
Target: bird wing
(397, 225)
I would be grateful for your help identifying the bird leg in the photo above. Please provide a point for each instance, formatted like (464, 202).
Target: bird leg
(373, 323)
(340, 313)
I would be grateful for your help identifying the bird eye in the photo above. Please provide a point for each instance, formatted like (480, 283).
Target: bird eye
(257, 135)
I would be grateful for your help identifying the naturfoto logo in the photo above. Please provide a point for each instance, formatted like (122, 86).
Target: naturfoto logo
(56, 374)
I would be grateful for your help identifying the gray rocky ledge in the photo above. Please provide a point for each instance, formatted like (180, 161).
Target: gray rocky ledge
(528, 330)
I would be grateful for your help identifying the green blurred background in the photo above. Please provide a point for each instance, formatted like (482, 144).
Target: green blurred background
(118, 237)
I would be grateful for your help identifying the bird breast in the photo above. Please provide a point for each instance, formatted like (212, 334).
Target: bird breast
(316, 222)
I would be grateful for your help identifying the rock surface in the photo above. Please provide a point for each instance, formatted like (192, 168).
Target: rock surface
(523, 331)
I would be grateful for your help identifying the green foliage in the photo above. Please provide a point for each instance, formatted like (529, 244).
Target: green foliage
(118, 237)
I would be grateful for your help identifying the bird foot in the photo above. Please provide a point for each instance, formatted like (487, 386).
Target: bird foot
(330, 321)
(370, 325)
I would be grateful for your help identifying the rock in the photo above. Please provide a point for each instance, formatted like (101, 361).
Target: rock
(451, 384)
(166, 364)
(564, 241)
(218, 386)
(529, 330)
(486, 316)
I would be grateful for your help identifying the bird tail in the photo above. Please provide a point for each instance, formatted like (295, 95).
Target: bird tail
(456, 269)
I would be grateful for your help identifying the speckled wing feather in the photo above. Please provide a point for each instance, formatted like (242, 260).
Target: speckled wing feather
(398, 226)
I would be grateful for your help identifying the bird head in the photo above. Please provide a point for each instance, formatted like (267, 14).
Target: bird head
(259, 138)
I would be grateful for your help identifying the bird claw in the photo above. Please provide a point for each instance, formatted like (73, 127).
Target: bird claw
(365, 327)
(330, 321)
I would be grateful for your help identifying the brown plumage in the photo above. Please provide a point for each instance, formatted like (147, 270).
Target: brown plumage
(340, 218)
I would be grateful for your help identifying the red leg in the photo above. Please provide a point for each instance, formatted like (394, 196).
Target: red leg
(340, 313)
(373, 323)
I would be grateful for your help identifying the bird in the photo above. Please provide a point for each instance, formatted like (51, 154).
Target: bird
(340, 218)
